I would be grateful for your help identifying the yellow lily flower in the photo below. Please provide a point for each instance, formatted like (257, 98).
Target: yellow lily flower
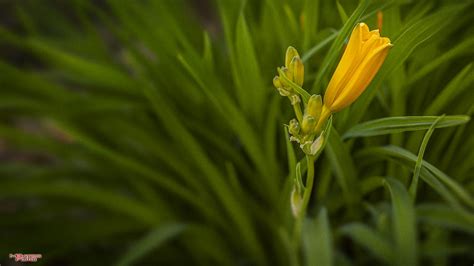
(364, 55)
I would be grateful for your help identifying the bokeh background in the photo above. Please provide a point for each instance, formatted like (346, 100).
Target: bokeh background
(148, 133)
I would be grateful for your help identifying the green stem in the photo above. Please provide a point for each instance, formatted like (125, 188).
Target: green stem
(304, 205)
(298, 113)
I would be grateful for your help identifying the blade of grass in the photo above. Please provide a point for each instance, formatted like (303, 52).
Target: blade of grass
(445, 216)
(391, 125)
(343, 167)
(419, 160)
(307, 55)
(317, 240)
(310, 15)
(342, 12)
(428, 172)
(458, 50)
(150, 242)
(370, 239)
(403, 222)
(109, 200)
(456, 86)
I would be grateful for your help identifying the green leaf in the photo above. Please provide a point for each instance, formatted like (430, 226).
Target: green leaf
(90, 194)
(250, 86)
(343, 166)
(445, 216)
(370, 239)
(310, 14)
(419, 160)
(150, 242)
(342, 12)
(459, 50)
(404, 227)
(456, 86)
(391, 125)
(318, 47)
(317, 240)
(430, 174)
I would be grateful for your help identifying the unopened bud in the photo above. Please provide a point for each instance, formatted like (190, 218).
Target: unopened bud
(284, 91)
(295, 139)
(287, 72)
(295, 99)
(306, 147)
(290, 53)
(285, 78)
(296, 201)
(312, 147)
(308, 124)
(314, 107)
(317, 145)
(297, 69)
(277, 82)
(294, 127)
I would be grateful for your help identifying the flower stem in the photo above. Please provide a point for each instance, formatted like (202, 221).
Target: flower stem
(298, 113)
(306, 196)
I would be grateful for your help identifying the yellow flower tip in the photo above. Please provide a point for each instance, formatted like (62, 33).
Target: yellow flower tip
(297, 69)
(363, 57)
(290, 53)
(375, 33)
(314, 106)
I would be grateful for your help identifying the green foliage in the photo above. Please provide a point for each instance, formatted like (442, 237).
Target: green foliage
(149, 133)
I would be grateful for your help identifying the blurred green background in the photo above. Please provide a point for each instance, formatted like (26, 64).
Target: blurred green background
(149, 133)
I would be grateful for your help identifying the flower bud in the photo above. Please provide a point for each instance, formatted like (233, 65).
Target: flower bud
(308, 123)
(314, 107)
(295, 99)
(294, 127)
(290, 53)
(306, 147)
(296, 201)
(277, 82)
(313, 147)
(297, 69)
(284, 91)
(287, 74)
(316, 145)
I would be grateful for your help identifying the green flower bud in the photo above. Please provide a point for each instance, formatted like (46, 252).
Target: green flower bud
(297, 68)
(317, 145)
(295, 99)
(314, 107)
(288, 74)
(284, 92)
(306, 147)
(296, 201)
(277, 82)
(294, 127)
(308, 124)
(312, 147)
(290, 53)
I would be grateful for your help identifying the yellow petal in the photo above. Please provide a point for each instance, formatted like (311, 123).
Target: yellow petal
(346, 62)
(361, 78)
